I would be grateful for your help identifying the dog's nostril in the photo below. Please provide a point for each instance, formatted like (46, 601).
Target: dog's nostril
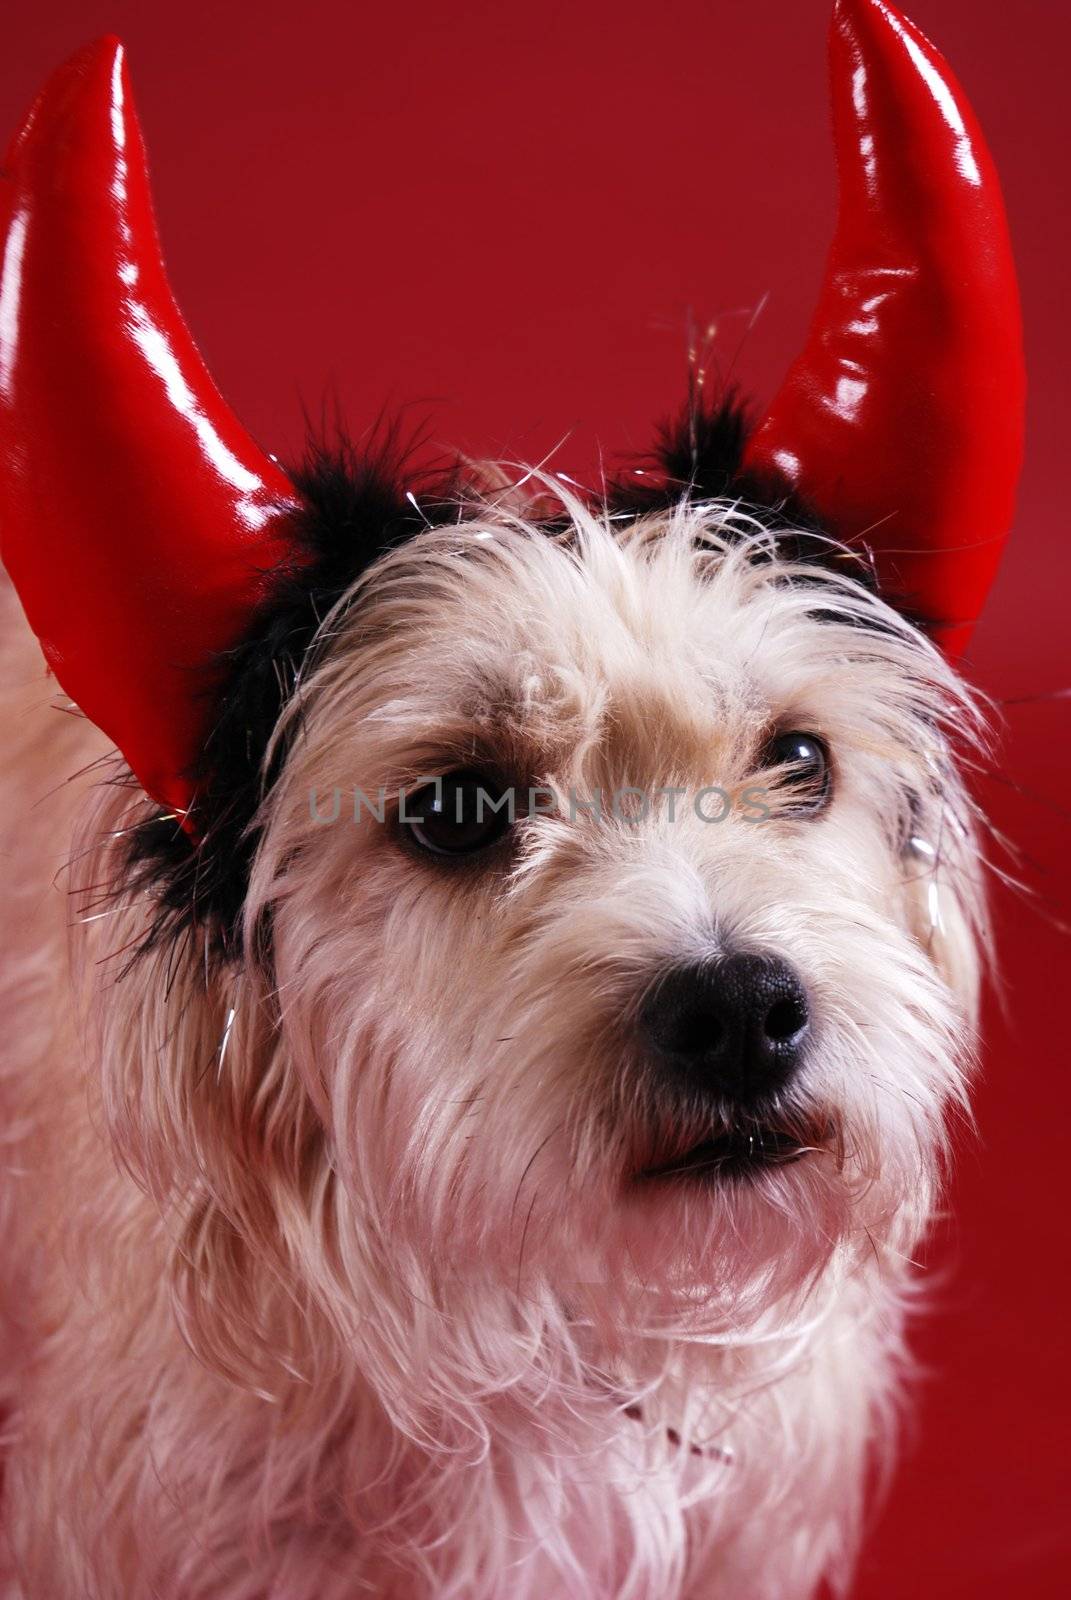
(785, 1019)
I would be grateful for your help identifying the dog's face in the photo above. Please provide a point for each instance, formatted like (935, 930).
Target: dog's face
(687, 1026)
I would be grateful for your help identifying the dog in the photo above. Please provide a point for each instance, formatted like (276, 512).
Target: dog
(479, 1063)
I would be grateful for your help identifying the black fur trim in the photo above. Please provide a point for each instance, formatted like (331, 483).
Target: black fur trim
(699, 455)
(355, 509)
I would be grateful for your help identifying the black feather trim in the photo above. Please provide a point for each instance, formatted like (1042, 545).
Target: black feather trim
(699, 455)
(354, 509)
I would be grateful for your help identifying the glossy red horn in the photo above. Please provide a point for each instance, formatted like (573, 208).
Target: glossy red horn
(139, 522)
(901, 422)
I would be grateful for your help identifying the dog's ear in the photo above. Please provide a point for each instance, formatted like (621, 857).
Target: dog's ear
(205, 1109)
(901, 422)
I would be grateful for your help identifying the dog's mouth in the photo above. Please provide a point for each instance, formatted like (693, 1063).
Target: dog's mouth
(743, 1151)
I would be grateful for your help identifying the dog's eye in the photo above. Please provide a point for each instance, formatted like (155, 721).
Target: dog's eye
(458, 814)
(804, 760)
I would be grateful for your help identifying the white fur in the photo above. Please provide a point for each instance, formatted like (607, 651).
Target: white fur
(325, 1276)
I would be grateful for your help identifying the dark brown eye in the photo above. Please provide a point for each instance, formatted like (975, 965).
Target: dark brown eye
(803, 760)
(458, 814)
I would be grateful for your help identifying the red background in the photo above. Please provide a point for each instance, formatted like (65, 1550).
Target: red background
(507, 211)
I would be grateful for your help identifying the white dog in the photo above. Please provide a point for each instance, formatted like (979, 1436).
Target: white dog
(466, 1140)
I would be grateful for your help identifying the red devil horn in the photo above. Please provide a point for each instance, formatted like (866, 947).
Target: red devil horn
(901, 422)
(139, 522)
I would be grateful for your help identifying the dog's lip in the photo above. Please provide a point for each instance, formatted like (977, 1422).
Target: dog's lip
(743, 1149)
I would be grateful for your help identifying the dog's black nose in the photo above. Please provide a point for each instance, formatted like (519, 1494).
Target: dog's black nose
(733, 1027)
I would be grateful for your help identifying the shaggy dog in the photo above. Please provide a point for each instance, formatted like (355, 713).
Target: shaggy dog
(417, 1276)
(486, 1163)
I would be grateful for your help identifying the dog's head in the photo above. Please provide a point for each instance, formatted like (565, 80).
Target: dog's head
(617, 889)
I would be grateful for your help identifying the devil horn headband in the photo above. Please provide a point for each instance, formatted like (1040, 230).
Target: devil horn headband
(901, 421)
(140, 524)
(144, 529)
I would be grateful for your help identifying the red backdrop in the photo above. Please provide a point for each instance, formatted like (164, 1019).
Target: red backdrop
(507, 211)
